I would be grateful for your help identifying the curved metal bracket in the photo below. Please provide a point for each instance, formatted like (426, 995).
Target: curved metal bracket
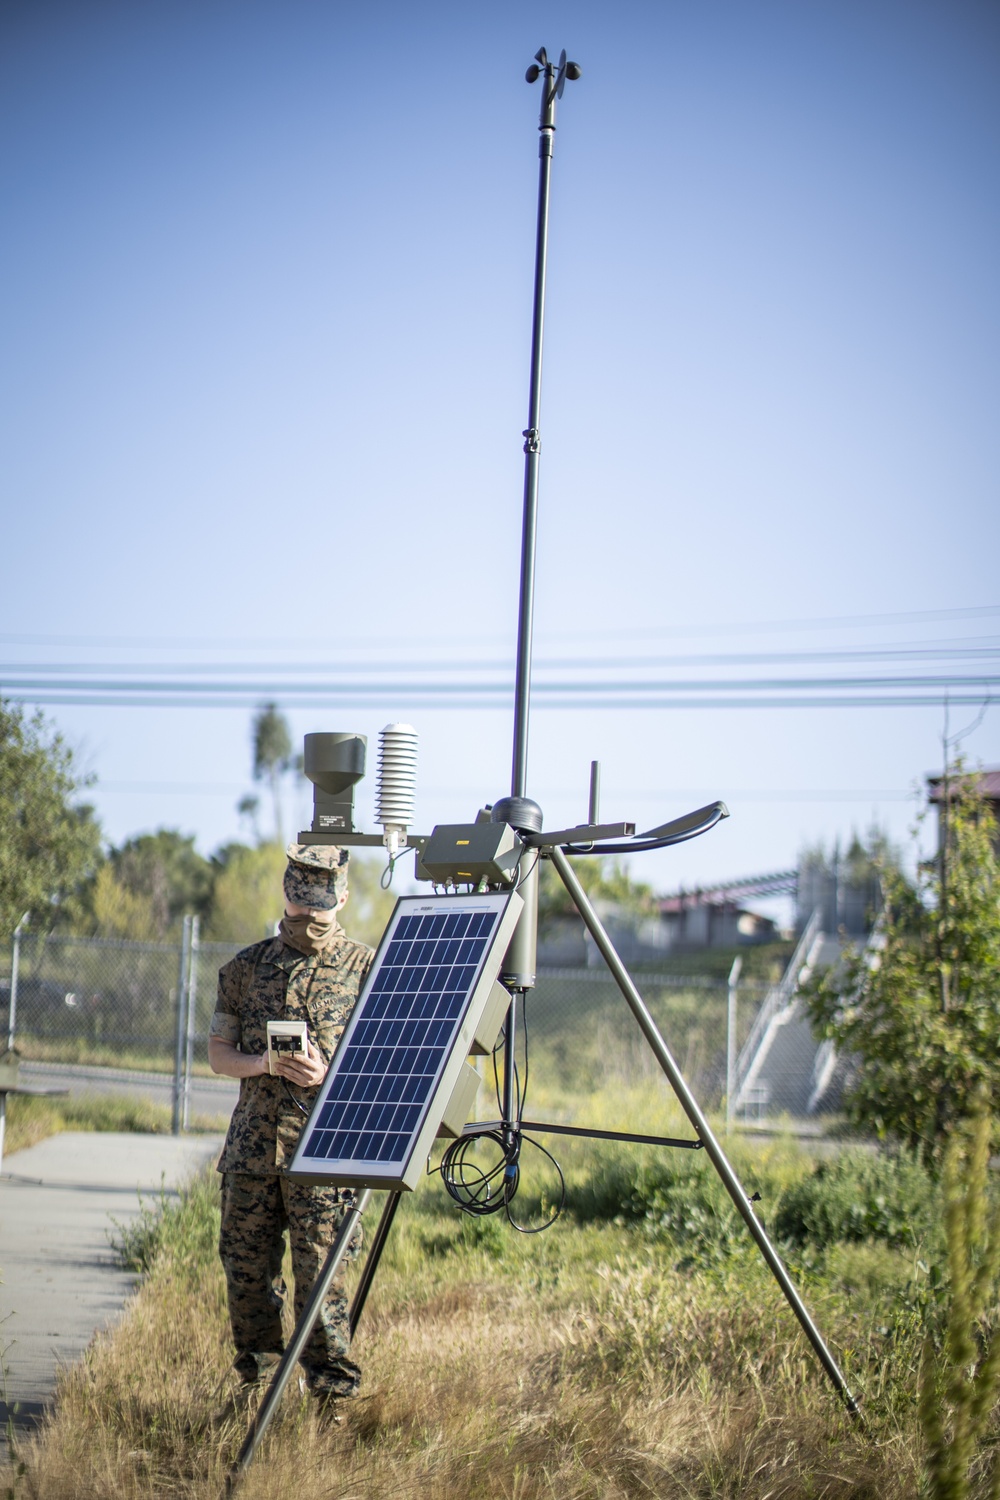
(591, 838)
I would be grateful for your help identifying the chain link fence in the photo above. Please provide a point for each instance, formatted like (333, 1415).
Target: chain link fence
(582, 1034)
(148, 1006)
(101, 999)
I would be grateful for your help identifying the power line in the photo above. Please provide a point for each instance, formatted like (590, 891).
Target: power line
(405, 698)
(659, 795)
(822, 622)
(828, 622)
(542, 688)
(913, 654)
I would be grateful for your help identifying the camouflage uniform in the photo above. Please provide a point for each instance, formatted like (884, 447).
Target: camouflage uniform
(272, 981)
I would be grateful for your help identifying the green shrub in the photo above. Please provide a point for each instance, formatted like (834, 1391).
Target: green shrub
(678, 1196)
(675, 1195)
(186, 1229)
(859, 1196)
(960, 1372)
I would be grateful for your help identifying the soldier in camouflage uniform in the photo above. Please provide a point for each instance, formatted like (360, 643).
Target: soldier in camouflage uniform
(313, 972)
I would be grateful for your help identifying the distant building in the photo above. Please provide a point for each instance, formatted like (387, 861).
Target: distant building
(844, 889)
(711, 919)
(682, 923)
(989, 785)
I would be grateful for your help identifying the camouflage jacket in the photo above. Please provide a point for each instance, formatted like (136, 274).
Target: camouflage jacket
(271, 982)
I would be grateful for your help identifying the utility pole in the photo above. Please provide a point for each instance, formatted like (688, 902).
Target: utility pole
(15, 959)
(191, 1008)
(181, 1027)
(943, 863)
(734, 975)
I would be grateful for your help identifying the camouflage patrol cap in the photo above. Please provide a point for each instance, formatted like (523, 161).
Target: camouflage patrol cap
(316, 875)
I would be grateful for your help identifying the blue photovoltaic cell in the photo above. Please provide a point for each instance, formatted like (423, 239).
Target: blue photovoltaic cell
(386, 1068)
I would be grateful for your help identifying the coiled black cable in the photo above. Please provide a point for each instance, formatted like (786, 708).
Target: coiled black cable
(479, 1191)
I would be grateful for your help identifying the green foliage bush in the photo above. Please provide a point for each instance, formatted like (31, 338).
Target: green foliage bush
(677, 1196)
(185, 1229)
(859, 1196)
(696, 1213)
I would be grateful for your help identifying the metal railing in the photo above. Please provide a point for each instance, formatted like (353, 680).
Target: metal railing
(777, 999)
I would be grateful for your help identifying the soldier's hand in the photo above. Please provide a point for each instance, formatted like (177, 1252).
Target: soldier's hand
(307, 1069)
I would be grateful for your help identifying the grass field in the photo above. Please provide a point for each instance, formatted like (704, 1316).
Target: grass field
(31, 1119)
(86, 1053)
(638, 1348)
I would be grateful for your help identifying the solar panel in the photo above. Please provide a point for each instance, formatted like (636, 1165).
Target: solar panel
(404, 1048)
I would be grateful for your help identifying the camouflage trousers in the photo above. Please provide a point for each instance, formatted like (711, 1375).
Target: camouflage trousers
(256, 1211)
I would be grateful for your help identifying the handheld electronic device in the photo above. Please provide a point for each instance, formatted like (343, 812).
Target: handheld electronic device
(285, 1039)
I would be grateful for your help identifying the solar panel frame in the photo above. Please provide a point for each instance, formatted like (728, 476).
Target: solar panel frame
(406, 1042)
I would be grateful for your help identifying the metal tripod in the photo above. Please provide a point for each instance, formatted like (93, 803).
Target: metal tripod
(705, 1140)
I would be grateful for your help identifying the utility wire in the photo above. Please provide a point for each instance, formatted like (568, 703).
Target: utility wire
(404, 697)
(339, 669)
(910, 682)
(762, 627)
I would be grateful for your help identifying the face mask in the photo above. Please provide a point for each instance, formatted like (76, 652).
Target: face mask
(311, 933)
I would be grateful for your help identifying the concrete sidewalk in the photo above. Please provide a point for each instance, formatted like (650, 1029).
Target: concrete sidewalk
(59, 1283)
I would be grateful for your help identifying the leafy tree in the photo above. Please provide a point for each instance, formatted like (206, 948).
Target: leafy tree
(166, 867)
(115, 911)
(920, 1012)
(248, 807)
(247, 899)
(606, 882)
(272, 757)
(145, 887)
(49, 843)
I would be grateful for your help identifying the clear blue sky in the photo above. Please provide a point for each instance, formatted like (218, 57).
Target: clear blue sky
(267, 273)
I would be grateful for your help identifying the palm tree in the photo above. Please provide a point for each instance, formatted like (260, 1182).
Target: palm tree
(272, 756)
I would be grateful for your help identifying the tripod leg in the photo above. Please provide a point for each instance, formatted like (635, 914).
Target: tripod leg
(372, 1258)
(299, 1339)
(690, 1106)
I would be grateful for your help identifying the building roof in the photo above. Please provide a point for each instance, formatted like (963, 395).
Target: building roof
(690, 900)
(988, 779)
(777, 883)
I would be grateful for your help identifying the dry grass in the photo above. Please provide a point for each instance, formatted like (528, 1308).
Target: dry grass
(574, 1365)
